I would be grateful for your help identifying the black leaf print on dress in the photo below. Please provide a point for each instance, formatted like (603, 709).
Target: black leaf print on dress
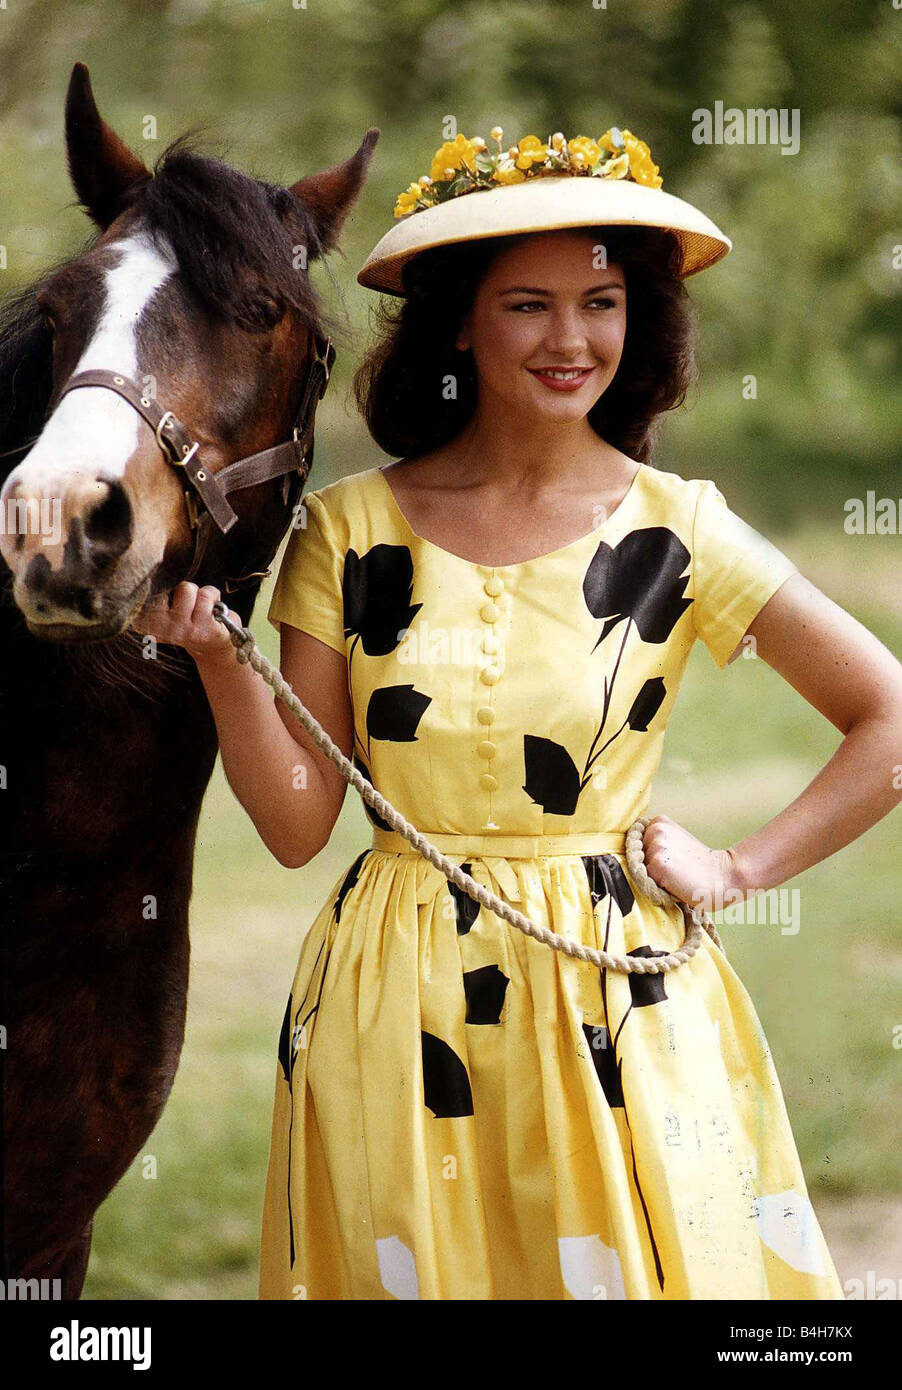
(607, 1068)
(350, 879)
(374, 816)
(640, 579)
(552, 778)
(376, 590)
(605, 877)
(446, 1086)
(465, 907)
(646, 989)
(290, 1039)
(285, 1043)
(394, 712)
(604, 882)
(646, 705)
(485, 989)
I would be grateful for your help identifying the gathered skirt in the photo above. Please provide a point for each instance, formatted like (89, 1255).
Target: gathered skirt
(463, 1113)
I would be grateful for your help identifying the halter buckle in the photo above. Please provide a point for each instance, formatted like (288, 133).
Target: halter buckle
(186, 458)
(166, 419)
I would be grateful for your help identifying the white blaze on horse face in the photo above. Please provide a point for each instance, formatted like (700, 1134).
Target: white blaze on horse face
(93, 430)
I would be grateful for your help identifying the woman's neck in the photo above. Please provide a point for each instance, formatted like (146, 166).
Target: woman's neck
(500, 449)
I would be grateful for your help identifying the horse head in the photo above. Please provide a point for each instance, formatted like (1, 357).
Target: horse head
(193, 295)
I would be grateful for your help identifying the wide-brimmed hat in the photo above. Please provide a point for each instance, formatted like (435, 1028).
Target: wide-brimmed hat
(473, 194)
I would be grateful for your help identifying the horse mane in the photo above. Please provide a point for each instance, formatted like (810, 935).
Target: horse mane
(234, 237)
(26, 371)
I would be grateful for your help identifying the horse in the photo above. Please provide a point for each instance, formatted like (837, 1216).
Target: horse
(156, 403)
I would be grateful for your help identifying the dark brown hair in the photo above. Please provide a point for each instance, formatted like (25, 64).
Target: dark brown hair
(399, 383)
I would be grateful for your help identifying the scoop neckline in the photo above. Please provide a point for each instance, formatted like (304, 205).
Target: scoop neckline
(596, 532)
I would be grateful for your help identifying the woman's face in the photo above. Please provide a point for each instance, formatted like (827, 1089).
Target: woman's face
(547, 327)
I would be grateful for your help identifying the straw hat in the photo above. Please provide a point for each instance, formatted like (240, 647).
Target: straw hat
(536, 187)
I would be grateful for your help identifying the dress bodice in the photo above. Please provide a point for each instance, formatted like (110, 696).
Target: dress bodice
(524, 699)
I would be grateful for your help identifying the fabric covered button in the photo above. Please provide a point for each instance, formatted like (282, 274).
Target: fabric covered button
(485, 714)
(488, 782)
(490, 643)
(490, 612)
(487, 749)
(494, 586)
(489, 675)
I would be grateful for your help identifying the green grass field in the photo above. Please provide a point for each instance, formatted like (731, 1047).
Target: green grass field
(741, 744)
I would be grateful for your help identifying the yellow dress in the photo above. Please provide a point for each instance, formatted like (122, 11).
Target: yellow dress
(461, 1112)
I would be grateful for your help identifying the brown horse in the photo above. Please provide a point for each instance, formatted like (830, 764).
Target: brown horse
(195, 291)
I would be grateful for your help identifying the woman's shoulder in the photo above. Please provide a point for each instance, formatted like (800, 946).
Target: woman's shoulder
(345, 501)
(676, 499)
(674, 485)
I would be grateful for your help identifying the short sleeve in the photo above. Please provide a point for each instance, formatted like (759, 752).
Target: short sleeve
(736, 571)
(308, 588)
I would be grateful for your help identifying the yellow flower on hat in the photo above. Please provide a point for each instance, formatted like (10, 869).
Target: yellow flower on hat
(465, 165)
(454, 154)
(642, 167)
(511, 175)
(531, 151)
(407, 200)
(583, 151)
(616, 168)
(607, 142)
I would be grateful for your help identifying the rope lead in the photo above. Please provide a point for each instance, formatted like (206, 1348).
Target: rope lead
(696, 920)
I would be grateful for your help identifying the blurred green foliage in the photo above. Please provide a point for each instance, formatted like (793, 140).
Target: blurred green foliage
(807, 303)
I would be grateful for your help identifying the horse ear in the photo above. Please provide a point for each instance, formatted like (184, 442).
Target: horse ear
(330, 195)
(103, 169)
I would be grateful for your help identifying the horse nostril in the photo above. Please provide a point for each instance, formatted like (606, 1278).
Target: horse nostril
(108, 527)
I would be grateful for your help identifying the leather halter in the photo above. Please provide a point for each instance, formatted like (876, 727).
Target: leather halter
(206, 496)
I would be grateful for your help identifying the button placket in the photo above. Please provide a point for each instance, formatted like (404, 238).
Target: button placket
(490, 612)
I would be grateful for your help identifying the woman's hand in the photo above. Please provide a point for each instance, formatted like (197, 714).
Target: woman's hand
(688, 869)
(185, 618)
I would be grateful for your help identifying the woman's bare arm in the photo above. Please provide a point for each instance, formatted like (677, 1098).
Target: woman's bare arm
(291, 791)
(849, 676)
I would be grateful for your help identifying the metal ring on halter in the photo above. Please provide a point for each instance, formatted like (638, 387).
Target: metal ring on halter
(165, 419)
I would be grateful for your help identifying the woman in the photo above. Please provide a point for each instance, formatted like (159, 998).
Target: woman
(495, 628)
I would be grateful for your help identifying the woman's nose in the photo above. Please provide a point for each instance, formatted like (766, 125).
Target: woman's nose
(566, 334)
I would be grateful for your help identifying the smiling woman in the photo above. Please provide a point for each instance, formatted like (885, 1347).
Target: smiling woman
(417, 385)
(461, 1113)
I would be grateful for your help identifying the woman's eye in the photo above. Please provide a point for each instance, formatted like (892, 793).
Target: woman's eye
(527, 306)
(605, 303)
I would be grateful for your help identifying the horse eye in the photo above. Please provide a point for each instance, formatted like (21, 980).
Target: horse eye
(47, 315)
(266, 310)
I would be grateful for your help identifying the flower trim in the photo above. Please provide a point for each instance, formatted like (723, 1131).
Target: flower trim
(467, 165)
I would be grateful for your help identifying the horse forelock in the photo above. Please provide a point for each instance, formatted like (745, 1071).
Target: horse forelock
(235, 238)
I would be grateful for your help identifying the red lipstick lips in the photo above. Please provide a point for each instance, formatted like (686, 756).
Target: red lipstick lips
(562, 378)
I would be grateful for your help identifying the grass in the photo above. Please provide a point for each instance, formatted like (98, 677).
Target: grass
(741, 744)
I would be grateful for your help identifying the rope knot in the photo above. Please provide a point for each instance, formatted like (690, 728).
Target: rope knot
(244, 644)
